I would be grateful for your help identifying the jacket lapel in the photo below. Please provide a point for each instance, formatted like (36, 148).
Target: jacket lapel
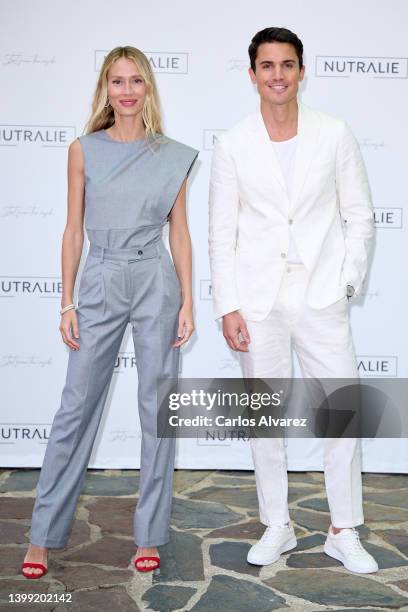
(308, 137)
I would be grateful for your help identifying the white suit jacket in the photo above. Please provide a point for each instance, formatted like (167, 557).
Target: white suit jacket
(250, 216)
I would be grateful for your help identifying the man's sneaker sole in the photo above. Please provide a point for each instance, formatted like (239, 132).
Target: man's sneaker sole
(336, 554)
(289, 545)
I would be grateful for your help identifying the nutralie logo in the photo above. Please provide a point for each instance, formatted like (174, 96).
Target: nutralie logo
(347, 66)
(388, 218)
(210, 138)
(38, 286)
(377, 365)
(173, 62)
(10, 433)
(40, 135)
(124, 361)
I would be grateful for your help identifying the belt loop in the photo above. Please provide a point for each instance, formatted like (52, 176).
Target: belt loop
(101, 254)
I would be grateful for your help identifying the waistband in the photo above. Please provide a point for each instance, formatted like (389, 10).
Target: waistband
(132, 254)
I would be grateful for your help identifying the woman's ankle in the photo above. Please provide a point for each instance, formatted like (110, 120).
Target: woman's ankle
(153, 549)
(38, 549)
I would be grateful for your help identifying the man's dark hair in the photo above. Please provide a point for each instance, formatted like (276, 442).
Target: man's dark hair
(269, 35)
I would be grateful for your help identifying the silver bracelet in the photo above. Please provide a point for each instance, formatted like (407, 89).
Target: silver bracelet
(69, 307)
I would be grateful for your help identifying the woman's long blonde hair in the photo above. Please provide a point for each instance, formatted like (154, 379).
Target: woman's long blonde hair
(102, 117)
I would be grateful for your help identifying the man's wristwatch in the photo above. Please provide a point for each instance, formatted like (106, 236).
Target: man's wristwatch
(350, 291)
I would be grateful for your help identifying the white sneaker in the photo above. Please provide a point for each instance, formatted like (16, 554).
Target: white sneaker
(345, 546)
(275, 540)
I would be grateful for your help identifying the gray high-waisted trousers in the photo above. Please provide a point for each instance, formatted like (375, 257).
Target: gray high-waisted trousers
(140, 287)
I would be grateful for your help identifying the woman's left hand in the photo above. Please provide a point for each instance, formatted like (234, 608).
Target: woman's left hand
(185, 325)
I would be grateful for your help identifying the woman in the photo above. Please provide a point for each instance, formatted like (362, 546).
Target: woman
(127, 179)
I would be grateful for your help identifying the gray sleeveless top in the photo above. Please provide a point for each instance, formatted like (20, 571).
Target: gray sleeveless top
(130, 187)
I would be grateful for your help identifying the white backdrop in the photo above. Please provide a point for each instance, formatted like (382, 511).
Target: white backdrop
(50, 55)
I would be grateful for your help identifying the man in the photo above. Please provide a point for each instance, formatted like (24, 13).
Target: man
(291, 225)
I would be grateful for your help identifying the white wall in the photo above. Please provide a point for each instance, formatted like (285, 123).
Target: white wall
(50, 54)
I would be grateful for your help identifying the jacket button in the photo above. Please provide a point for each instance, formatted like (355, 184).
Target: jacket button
(290, 221)
(140, 252)
(283, 255)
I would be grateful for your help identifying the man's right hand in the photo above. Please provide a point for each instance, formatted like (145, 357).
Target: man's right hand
(233, 325)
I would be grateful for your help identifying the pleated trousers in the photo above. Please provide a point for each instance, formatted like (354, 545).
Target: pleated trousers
(140, 287)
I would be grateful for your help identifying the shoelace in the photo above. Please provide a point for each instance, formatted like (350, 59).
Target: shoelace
(271, 532)
(353, 537)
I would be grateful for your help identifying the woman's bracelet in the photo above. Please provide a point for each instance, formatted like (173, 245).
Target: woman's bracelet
(69, 307)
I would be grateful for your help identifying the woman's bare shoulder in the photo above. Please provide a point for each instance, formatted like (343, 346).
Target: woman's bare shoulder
(75, 155)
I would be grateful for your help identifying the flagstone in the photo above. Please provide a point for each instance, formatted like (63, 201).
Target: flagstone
(228, 593)
(396, 537)
(21, 480)
(385, 481)
(313, 521)
(327, 587)
(184, 479)
(74, 577)
(16, 507)
(112, 514)
(102, 600)
(181, 559)
(397, 498)
(188, 514)
(13, 533)
(167, 597)
(110, 485)
(232, 556)
(115, 552)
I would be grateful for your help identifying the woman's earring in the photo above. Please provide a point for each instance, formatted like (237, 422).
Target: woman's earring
(107, 103)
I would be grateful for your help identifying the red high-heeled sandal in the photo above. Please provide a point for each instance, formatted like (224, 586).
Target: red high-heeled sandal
(145, 568)
(35, 565)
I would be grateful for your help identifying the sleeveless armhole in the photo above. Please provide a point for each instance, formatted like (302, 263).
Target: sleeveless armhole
(82, 140)
(185, 163)
(193, 159)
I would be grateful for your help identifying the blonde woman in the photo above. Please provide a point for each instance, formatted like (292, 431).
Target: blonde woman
(127, 180)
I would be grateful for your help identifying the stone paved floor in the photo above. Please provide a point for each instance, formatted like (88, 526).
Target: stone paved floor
(214, 522)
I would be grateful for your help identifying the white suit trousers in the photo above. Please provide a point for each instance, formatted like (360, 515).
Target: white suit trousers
(323, 343)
